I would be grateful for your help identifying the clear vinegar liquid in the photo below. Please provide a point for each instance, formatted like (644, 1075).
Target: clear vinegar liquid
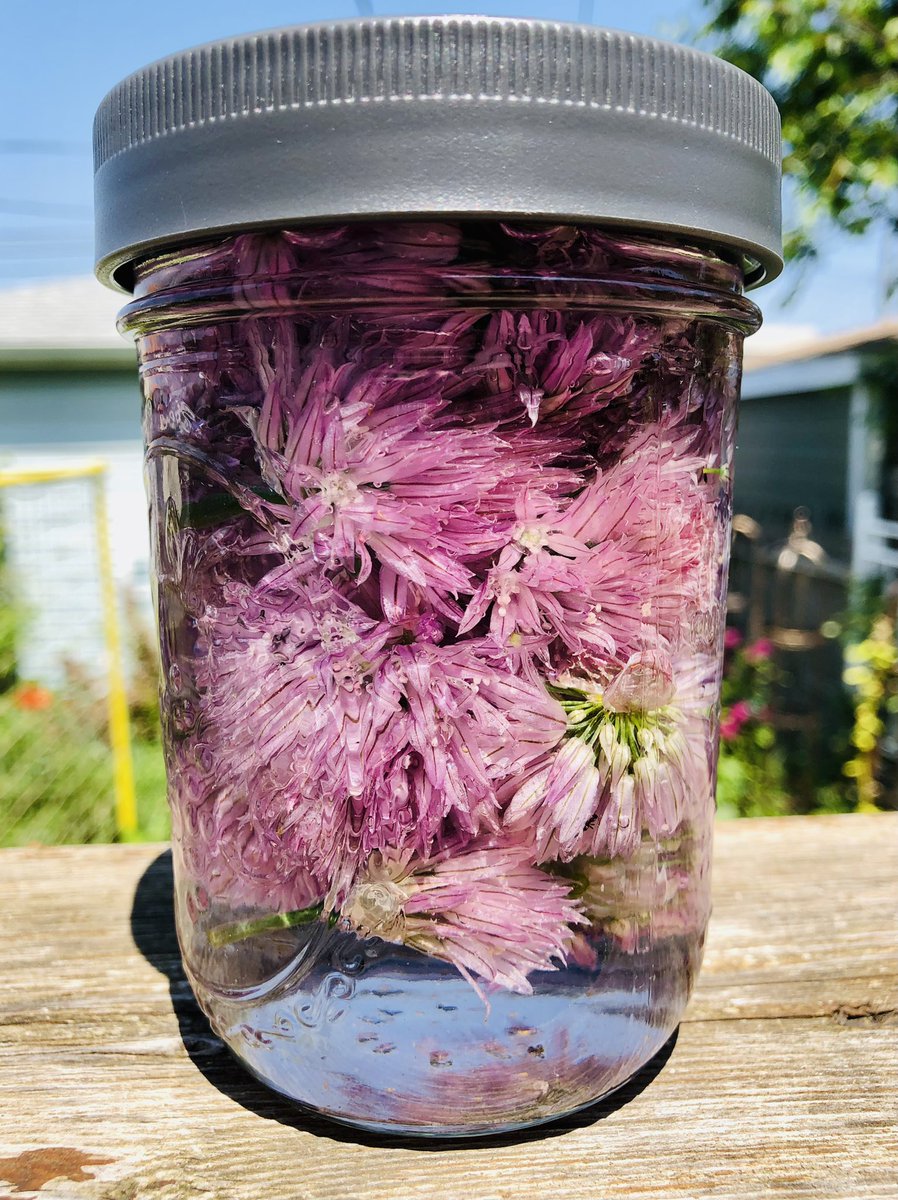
(385, 1039)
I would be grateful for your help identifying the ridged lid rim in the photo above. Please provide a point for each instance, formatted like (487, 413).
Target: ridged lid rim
(432, 74)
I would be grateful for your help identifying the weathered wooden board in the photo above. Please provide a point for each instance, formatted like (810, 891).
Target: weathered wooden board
(782, 1081)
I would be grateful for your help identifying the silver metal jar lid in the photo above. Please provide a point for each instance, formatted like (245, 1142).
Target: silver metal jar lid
(424, 116)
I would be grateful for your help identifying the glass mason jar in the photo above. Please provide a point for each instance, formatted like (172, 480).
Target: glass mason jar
(440, 514)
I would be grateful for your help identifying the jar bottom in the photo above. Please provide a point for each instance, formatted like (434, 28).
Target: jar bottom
(384, 1040)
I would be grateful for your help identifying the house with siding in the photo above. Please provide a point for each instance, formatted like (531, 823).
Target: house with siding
(819, 430)
(69, 395)
(69, 403)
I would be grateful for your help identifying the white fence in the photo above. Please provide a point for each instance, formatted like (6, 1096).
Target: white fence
(875, 542)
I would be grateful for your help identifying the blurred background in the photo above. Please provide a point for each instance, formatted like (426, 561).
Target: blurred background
(810, 706)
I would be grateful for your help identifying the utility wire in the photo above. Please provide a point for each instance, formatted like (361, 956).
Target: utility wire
(44, 233)
(32, 256)
(40, 249)
(42, 146)
(40, 208)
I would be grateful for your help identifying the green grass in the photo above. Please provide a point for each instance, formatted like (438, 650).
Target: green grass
(56, 776)
(153, 820)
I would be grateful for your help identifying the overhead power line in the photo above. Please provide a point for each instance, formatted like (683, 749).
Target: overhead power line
(52, 245)
(35, 255)
(44, 233)
(42, 208)
(42, 146)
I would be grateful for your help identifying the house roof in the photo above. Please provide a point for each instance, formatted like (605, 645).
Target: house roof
(808, 365)
(807, 343)
(63, 323)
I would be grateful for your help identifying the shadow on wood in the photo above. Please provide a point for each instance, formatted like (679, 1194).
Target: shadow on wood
(153, 930)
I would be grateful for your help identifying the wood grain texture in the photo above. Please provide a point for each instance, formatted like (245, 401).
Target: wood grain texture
(782, 1081)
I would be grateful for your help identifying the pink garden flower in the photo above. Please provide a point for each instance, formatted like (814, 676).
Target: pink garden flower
(733, 719)
(729, 730)
(732, 638)
(759, 651)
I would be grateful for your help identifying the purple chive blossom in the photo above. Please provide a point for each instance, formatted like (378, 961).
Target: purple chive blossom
(635, 760)
(344, 734)
(557, 802)
(488, 911)
(652, 501)
(536, 359)
(233, 861)
(461, 724)
(590, 573)
(353, 477)
(372, 474)
(410, 259)
(590, 604)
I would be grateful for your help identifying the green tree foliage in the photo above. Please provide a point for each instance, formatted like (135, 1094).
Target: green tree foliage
(832, 67)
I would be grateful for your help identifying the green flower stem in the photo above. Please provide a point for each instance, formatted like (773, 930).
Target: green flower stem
(218, 507)
(238, 931)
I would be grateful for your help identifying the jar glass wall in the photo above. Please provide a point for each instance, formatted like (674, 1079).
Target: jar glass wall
(440, 520)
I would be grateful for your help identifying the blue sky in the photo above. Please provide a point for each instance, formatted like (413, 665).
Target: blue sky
(61, 58)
